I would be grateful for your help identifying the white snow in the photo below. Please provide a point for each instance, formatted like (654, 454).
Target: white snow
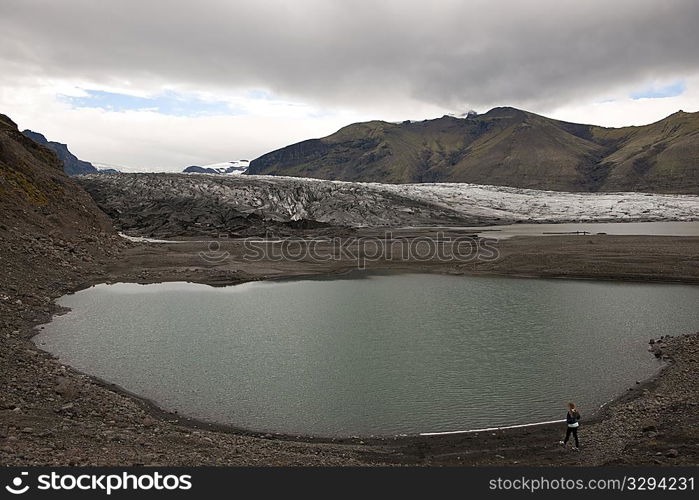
(238, 167)
(141, 239)
(535, 205)
(129, 169)
(517, 204)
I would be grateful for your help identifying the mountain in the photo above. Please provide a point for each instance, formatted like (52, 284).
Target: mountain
(104, 168)
(35, 190)
(46, 218)
(231, 167)
(505, 146)
(71, 164)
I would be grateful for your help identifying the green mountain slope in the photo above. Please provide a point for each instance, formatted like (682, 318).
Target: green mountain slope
(505, 146)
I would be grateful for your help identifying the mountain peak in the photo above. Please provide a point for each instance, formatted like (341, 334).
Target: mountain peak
(6, 120)
(505, 111)
(35, 136)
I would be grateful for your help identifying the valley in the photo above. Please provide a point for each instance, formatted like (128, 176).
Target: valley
(54, 244)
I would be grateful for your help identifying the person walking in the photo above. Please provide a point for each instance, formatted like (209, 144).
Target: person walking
(572, 422)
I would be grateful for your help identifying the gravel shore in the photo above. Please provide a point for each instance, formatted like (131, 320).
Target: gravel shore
(53, 415)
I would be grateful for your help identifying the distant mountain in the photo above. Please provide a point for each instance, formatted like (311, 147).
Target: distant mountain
(505, 146)
(71, 164)
(105, 168)
(231, 167)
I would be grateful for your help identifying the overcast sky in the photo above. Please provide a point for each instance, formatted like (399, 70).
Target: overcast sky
(164, 84)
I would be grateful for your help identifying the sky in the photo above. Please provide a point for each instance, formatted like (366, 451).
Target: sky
(161, 85)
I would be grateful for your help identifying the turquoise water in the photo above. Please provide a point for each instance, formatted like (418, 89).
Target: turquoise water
(377, 355)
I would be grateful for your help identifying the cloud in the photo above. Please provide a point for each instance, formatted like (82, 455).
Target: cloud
(323, 61)
(149, 140)
(620, 109)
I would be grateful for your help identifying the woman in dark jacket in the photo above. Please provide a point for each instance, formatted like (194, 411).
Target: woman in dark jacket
(572, 422)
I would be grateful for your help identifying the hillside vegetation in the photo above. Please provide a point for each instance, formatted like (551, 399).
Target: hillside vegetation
(504, 146)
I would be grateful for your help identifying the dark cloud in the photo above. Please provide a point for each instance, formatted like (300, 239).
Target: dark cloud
(450, 53)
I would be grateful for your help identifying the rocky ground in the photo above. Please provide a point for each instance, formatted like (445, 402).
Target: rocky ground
(50, 414)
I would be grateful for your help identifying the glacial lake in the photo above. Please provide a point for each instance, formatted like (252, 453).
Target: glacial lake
(659, 228)
(374, 354)
(505, 231)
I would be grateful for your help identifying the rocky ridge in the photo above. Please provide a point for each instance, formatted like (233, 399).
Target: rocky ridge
(72, 165)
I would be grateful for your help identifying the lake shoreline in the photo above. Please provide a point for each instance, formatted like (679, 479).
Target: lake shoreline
(69, 351)
(75, 426)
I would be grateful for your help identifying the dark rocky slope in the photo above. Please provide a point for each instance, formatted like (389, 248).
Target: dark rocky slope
(72, 165)
(37, 196)
(504, 146)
